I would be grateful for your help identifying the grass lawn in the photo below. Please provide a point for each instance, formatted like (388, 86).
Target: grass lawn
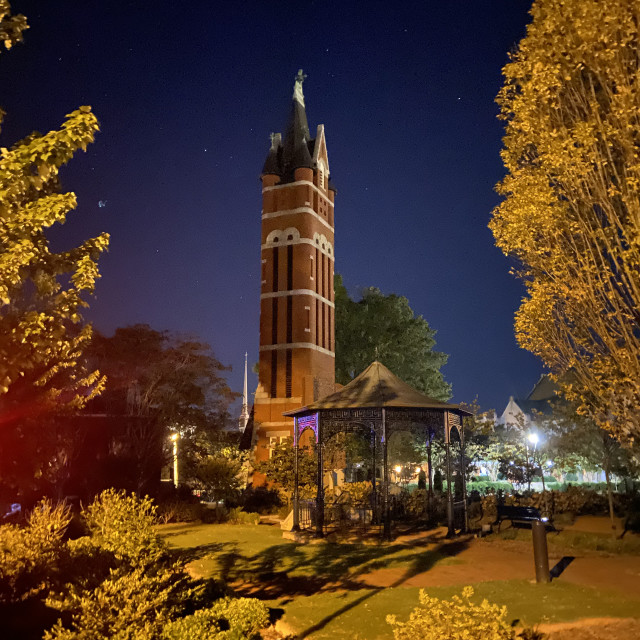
(577, 540)
(362, 614)
(249, 552)
(315, 585)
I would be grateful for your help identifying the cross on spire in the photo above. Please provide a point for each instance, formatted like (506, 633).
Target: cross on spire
(297, 88)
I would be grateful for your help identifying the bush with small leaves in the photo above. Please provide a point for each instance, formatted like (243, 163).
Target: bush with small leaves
(227, 619)
(123, 524)
(180, 511)
(356, 492)
(260, 500)
(238, 516)
(130, 603)
(455, 619)
(29, 556)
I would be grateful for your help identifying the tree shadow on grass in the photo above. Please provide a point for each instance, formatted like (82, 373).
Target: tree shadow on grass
(189, 554)
(419, 563)
(290, 570)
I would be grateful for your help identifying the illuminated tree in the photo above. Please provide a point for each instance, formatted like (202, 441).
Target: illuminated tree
(571, 213)
(42, 293)
(385, 328)
(11, 27)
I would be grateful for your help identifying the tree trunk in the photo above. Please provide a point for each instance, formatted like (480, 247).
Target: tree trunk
(612, 516)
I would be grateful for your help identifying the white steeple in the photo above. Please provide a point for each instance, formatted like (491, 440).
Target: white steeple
(244, 412)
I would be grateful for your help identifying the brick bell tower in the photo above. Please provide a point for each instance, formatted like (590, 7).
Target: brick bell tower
(297, 360)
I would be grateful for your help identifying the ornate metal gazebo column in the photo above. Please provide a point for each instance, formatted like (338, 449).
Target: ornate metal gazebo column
(464, 479)
(447, 446)
(320, 479)
(385, 487)
(296, 494)
(374, 491)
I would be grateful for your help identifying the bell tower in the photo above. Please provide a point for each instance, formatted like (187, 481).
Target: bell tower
(297, 359)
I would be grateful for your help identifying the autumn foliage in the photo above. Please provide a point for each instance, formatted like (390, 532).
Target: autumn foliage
(571, 210)
(42, 293)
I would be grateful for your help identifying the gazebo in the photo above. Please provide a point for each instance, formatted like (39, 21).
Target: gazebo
(378, 404)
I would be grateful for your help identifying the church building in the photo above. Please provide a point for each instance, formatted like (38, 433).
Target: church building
(297, 338)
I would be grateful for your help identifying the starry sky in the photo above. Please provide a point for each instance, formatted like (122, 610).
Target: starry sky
(187, 95)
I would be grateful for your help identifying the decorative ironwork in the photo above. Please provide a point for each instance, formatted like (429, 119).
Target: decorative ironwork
(380, 424)
(308, 422)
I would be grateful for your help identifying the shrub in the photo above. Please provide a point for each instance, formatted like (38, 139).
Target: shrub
(356, 492)
(485, 487)
(219, 477)
(238, 516)
(179, 511)
(438, 485)
(260, 500)
(417, 503)
(455, 619)
(130, 603)
(123, 524)
(29, 556)
(227, 619)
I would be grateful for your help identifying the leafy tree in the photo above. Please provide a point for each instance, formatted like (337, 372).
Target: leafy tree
(162, 381)
(42, 294)
(219, 476)
(578, 442)
(279, 468)
(571, 103)
(385, 328)
(11, 27)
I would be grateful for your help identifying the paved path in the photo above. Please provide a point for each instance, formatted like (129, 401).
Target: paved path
(482, 561)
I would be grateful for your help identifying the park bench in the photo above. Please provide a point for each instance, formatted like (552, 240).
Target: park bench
(520, 515)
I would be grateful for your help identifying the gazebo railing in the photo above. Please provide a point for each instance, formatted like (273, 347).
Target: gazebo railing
(363, 517)
(338, 515)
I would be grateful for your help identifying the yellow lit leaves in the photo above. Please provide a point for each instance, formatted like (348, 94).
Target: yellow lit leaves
(41, 292)
(571, 208)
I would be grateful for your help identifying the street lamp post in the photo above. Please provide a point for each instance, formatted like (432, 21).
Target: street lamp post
(174, 438)
(534, 438)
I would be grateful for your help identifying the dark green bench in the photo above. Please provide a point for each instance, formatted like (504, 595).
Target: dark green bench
(520, 515)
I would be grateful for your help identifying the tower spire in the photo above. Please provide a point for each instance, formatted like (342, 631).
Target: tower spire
(295, 152)
(244, 412)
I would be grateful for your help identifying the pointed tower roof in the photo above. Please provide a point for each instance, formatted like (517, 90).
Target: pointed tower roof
(294, 152)
(273, 163)
(244, 412)
(296, 148)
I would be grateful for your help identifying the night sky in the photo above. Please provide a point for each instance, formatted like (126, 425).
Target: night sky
(187, 95)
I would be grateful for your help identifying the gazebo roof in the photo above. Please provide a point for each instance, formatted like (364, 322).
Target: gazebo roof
(376, 386)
